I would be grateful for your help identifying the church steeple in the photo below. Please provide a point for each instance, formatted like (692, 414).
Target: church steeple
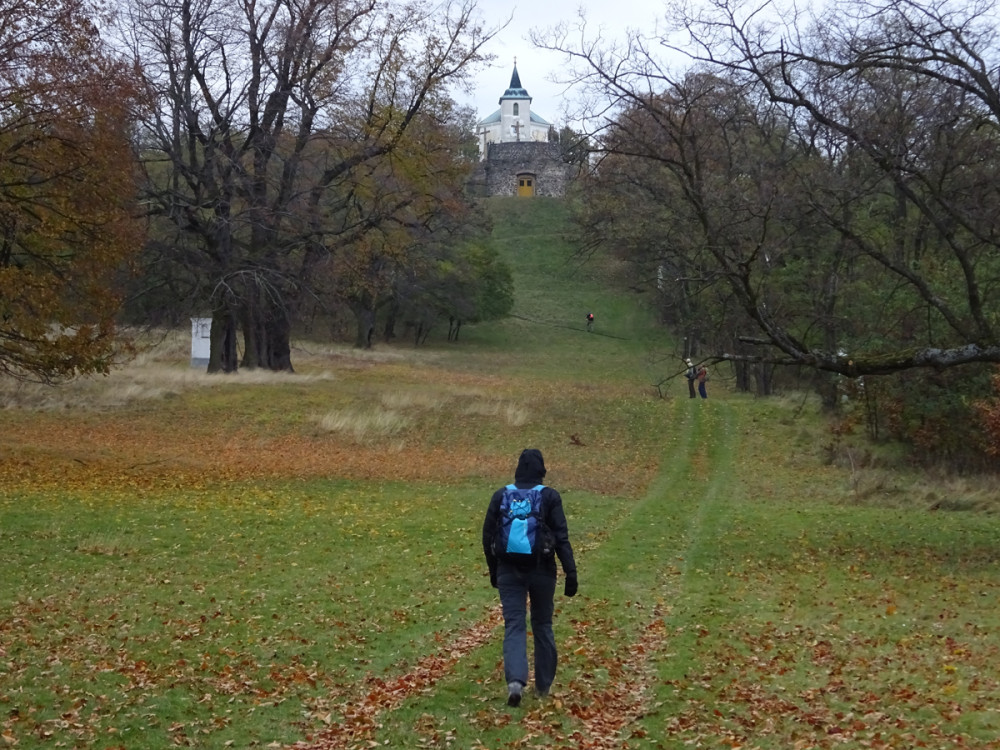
(515, 79)
(516, 90)
(514, 122)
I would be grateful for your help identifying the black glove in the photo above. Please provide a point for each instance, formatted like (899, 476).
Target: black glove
(571, 585)
(493, 577)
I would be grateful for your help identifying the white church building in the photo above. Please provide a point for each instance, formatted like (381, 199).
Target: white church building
(514, 122)
(517, 156)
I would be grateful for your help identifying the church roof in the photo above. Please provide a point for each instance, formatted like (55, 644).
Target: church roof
(495, 118)
(516, 90)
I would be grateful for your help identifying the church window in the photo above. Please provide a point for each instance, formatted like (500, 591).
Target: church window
(515, 109)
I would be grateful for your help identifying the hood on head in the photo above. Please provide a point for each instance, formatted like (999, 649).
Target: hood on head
(530, 466)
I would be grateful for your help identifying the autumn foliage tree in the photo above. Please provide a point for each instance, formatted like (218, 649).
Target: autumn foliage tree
(401, 218)
(67, 190)
(988, 411)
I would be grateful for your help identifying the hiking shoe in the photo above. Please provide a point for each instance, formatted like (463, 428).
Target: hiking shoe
(513, 693)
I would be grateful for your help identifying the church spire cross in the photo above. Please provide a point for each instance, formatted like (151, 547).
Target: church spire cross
(515, 79)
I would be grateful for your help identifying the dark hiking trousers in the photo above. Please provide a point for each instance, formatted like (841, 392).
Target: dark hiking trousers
(518, 587)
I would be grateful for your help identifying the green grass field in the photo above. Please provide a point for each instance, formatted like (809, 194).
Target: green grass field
(266, 561)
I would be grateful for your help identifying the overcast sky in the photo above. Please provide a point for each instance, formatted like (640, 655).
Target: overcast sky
(536, 66)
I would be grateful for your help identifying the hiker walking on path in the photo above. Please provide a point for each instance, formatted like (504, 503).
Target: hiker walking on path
(702, 378)
(590, 321)
(524, 532)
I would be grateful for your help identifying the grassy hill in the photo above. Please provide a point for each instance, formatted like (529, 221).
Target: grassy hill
(273, 561)
(555, 289)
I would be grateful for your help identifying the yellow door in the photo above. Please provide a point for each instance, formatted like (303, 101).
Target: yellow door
(525, 186)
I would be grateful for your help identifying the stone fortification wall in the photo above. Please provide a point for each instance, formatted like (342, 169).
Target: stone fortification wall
(505, 161)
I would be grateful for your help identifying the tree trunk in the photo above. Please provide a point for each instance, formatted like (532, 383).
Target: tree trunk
(278, 336)
(252, 338)
(366, 326)
(764, 375)
(222, 341)
(742, 371)
(389, 329)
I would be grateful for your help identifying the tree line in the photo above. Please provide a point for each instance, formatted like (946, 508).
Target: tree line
(269, 163)
(813, 192)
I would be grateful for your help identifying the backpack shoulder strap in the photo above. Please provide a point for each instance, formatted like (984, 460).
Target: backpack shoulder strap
(538, 507)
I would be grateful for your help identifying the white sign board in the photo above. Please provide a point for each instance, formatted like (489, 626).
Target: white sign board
(201, 342)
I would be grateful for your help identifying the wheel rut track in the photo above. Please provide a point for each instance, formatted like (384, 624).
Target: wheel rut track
(605, 717)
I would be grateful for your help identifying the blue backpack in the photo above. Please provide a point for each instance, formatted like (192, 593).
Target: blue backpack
(522, 533)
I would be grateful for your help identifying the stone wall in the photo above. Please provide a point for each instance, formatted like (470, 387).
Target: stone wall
(505, 161)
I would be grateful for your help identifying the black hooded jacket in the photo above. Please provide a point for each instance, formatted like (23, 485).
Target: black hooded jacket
(530, 472)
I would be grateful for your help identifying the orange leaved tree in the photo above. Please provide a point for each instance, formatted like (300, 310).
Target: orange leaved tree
(67, 191)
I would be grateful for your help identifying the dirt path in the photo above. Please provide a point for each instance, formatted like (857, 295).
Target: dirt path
(605, 712)
(379, 696)
(680, 502)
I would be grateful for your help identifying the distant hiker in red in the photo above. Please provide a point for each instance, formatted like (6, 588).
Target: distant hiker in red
(590, 321)
(524, 532)
(702, 377)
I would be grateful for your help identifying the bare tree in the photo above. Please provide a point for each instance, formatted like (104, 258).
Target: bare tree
(884, 214)
(269, 116)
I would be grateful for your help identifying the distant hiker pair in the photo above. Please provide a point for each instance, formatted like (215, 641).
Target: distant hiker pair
(696, 377)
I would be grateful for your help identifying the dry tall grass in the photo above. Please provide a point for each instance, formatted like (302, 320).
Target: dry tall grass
(161, 369)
